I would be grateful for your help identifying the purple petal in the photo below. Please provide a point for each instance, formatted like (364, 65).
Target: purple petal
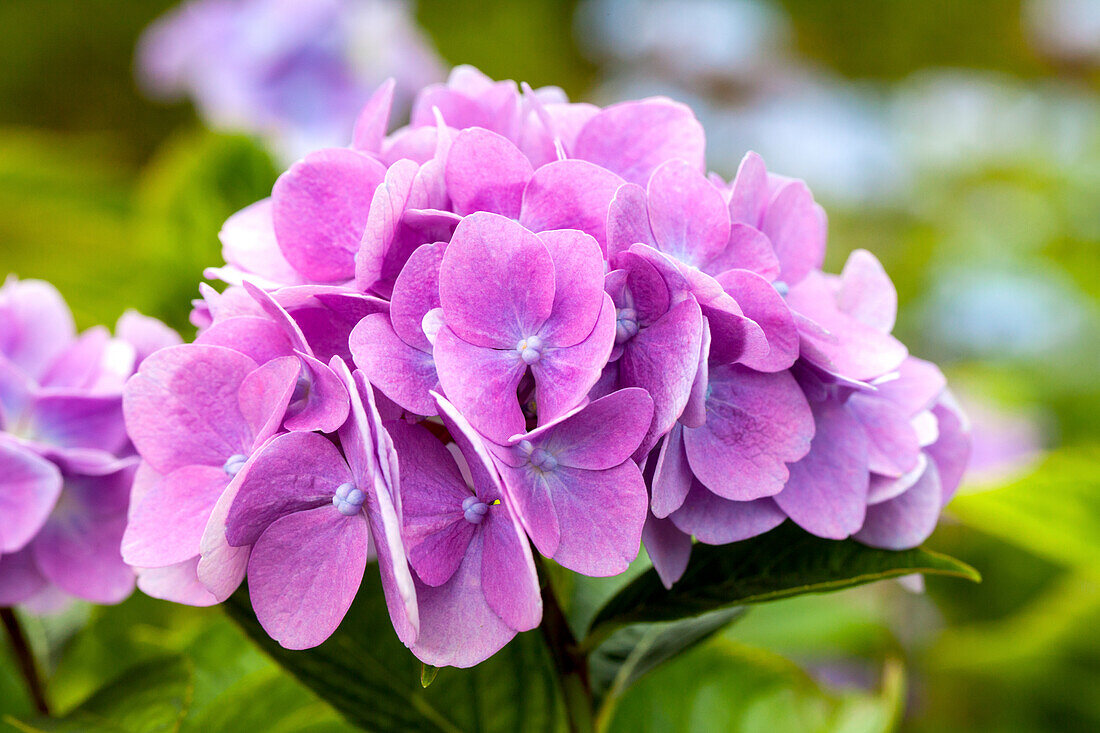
(564, 376)
(570, 194)
(530, 499)
(74, 420)
(20, 578)
(508, 576)
(866, 292)
(602, 434)
(827, 492)
(292, 473)
(16, 392)
(601, 514)
(320, 211)
(78, 549)
(304, 573)
(951, 452)
(249, 244)
(628, 220)
(372, 459)
(459, 628)
(765, 306)
(432, 493)
(718, 521)
(415, 292)
(265, 394)
(482, 384)
(695, 411)
(917, 387)
(907, 520)
(747, 249)
(669, 549)
(687, 213)
(892, 445)
(853, 349)
(756, 424)
(167, 526)
(496, 283)
(402, 372)
(672, 477)
(221, 567)
(486, 172)
(749, 193)
(181, 408)
(325, 405)
(578, 286)
(633, 138)
(78, 366)
(35, 324)
(258, 338)
(178, 583)
(387, 206)
(31, 488)
(663, 359)
(796, 227)
(370, 127)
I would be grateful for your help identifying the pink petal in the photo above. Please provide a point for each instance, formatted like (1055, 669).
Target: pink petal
(486, 172)
(415, 292)
(687, 213)
(265, 394)
(181, 407)
(827, 492)
(628, 220)
(633, 138)
(765, 306)
(796, 227)
(258, 338)
(602, 434)
(749, 193)
(906, 520)
(370, 127)
(866, 292)
(756, 424)
(167, 526)
(673, 477)
(20, 578)
(892, 445)
(482, 384)
(35, 324)
(402, 372)
(292, 473)
(718, 521)
(496, 284)
(570, 194)
(304, 573)
(320, 211)
(508, 577)
(578, 286)
(178, 583)
(32, 486)
(249, 244)
(669, 549)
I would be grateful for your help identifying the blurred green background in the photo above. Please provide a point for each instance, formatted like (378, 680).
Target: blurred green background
(956, 140)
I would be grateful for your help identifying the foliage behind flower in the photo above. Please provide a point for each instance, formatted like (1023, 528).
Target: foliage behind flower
(521, 318)
(66, 465)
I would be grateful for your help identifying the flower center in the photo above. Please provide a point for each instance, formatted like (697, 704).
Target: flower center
(235, 463)
(474, 509)
(542, 460)
(530, 349)
(348, 499)
(781, 287)
(626, 324)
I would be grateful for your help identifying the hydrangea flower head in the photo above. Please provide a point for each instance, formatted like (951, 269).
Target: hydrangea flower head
(521, 327)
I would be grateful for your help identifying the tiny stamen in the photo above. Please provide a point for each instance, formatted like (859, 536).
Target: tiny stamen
(348, 499)
(235, 463)
(530, 349)
(474, 509)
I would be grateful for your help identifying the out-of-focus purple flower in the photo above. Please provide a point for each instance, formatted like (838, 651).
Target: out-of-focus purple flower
(66, 465)
(295, 72)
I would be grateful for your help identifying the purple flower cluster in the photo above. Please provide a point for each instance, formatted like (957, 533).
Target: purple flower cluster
(519, 318)
(66, 465)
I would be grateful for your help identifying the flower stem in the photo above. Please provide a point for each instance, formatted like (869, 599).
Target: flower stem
(27, 666)
(569, 661)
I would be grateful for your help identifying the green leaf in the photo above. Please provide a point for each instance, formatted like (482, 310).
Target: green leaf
(631, 652)
(782, 563)
(1053, 512)
(725, 686)
(148, 698)
(365, 672)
